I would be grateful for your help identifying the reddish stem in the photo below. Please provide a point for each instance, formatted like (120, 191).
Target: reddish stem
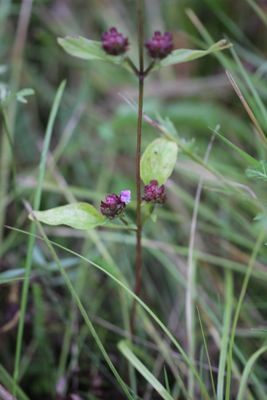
(138, 253)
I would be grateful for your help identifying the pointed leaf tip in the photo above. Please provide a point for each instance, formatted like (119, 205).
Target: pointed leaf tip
(184, 55)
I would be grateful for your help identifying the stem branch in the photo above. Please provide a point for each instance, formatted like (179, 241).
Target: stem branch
(132, 65)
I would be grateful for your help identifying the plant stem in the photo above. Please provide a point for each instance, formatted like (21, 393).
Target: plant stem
(149, 68)
(132, 66)
(138, 253)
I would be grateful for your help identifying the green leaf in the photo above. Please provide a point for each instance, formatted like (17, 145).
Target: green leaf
(126, 350)
(86, 49)
(82, 48)
(185, 55)
(239, 151)
(245, 376)
(259, 173)
(77, 215)
(158, 161)
(23, 93)
(6, 95)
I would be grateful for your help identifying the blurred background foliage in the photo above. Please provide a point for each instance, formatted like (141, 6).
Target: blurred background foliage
(93, 153)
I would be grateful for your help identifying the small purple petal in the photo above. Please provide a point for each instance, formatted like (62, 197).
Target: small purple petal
(125, 196)
(111, 199)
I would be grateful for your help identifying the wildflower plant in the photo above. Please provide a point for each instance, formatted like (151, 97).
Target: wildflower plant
(158, 160)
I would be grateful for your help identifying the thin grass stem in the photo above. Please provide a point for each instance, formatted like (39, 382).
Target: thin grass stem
(225, 332)
(192, 278)
(36, 204)
(121, 282)
(247, 276)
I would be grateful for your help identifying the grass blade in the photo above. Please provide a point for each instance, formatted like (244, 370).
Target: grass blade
(226, 331)
(7, 380)
(36, 205)
(142, 369)
(252, 260)
(246, 372)
(124, 285)
(83, 312)
(207, 354)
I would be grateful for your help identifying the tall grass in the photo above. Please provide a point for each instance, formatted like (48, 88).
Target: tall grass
(200, 330)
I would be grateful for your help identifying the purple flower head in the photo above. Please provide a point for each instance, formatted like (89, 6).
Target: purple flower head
(125, 196)
(153, 193)
(160, 45)
(114, 205)
(114, 43)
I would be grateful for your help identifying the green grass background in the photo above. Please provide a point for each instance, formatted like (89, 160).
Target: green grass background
(201, 329)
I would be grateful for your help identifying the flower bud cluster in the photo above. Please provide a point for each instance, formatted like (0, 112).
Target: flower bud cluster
(154, 193)
(114, 43)
(158, 47)
(114, 205)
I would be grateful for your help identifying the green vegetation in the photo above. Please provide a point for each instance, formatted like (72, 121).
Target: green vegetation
(74, 322)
